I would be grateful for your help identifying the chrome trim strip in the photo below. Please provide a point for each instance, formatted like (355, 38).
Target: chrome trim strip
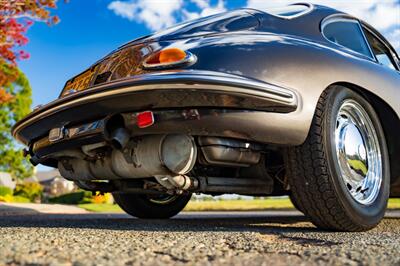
(367, 42)
(89, 128)
(302, 13)
(71, 133)
(192, 79)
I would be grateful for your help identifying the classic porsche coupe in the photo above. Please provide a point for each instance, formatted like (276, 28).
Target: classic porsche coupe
(300, 101)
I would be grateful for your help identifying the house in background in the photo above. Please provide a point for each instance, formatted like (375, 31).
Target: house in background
(53, 183)
(7, 181)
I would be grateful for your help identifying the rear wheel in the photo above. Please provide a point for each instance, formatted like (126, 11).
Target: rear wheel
(151, 206)
(340, 176)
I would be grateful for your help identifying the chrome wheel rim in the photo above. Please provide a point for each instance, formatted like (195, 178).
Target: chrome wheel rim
(163, 199)
(358, 152)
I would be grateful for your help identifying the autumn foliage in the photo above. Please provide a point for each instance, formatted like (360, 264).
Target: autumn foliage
(16, 16)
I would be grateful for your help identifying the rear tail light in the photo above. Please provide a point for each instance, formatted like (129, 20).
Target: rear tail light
(169, 58)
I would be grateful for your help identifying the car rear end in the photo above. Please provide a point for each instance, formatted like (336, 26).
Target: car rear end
(174, 113)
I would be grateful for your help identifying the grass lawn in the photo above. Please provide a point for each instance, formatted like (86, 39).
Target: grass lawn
(93, 207)
(239, 205)
(224, 205)
(394, 204)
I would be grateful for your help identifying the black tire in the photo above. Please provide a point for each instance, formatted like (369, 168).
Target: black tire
(314, 173)
(143, 206)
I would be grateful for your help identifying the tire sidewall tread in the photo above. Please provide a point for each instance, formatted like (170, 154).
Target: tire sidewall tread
(374, 212)
(313, 171)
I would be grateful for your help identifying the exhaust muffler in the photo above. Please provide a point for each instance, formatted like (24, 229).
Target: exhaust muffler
(167, 156)
(155, 155)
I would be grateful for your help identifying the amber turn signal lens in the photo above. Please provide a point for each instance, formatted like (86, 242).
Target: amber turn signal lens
(167, 56)
(171, 55)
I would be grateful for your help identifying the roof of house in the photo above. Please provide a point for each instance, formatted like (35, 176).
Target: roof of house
(43, 176)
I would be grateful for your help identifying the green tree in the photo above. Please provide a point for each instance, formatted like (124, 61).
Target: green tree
(11, 156)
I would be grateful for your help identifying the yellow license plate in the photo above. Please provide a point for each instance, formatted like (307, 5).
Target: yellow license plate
(80, 82)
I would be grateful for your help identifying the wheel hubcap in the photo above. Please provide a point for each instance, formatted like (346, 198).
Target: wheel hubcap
(358, 152)
(163, 199)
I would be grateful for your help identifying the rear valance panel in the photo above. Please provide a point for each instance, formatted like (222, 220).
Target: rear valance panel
(158, 91)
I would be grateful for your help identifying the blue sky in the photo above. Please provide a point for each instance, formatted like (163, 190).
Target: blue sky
(89, 29)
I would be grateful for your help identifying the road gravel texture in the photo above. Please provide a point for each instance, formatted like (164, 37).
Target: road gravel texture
(253, 238)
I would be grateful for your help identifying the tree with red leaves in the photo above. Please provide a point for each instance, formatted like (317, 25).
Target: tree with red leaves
(16, 16)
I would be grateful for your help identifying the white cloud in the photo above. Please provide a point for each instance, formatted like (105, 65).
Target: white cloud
(156, 14)
(201, 3)
(206, 9)
(384, 15)
(160, 14)
(394, 38)
(209, 10)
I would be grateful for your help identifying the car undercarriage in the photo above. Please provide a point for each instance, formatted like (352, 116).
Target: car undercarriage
(114, 159)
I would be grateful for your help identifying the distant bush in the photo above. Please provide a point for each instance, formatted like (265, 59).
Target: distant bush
(6, 198)
(20, 199)
(32, 191)
(73, 198)
(4, 191)
(11, 198)
(100, 199)
(81, 197)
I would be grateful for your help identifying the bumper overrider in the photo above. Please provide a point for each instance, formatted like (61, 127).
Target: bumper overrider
(199, 103)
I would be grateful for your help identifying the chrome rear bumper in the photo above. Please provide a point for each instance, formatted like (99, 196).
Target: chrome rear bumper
(158, 91)
(247, 125)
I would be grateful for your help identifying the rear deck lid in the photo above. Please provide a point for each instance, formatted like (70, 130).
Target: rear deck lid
(237, 20)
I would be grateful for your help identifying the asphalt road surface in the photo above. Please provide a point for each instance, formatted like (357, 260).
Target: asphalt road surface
(231, 238)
